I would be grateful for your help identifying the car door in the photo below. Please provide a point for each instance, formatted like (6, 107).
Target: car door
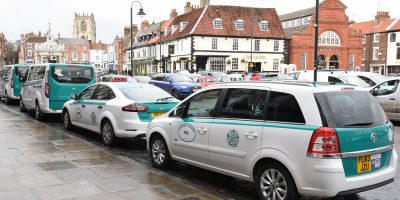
(190, 134)
(26, 94)
(387, 94)
(95, 106)
(235, 134)
(78, 106)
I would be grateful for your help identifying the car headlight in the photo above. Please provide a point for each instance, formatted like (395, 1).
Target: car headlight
(183, 87)
(390, 134)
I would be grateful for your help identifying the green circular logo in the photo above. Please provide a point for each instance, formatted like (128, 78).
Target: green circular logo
(232, 138)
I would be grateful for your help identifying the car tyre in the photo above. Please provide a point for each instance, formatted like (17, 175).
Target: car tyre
(21, 105)
(67, 121)
(107, 133)
(7, 99)
(38, 112)
(159, 153)
(175, 94)
(274, 180)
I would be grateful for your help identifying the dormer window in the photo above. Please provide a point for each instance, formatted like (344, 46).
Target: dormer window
(174, 28)
(217, 23)
(182, 26)
(264, 26)
(166, 31)
(239, 24)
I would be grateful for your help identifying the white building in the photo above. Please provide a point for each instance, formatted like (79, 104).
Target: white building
(393, 49)
(98, 56)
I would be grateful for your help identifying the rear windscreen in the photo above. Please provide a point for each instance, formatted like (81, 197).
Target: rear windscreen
(21, 71)
(144, 93)
(346, 109)
(73, 74)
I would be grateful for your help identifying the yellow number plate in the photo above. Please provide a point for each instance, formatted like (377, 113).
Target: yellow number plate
(157, 114)
(364, 164)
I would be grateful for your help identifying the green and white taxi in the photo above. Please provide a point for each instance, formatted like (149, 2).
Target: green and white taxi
(290, 138)
(117, 110)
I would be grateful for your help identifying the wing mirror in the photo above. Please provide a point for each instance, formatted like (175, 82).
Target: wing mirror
(374, 91)
(74, 97)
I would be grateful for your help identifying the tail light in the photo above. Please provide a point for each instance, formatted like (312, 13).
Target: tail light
(391, 135)
(135, 108)
(324, 143)
(46, 86)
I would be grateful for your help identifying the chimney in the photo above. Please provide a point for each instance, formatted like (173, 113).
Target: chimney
(380, 16)
(40, 33)
(204, 3)
(188, 8)
(144, 25)
(173, 14)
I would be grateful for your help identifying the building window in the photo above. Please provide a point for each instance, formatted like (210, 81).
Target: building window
(287, 24)
(166, 31)
(393, 37)
(74, 48)
(275, 64)
(182, 26)
(351, 61)
(329, 38)
(235, 44)
(306, 21)
(303, 61)
(217, 23)
(97, 58)
(377, 38)
(29, 45)
(257, 45)
(264, 26)
(29, 53)
(292, 23)
(235, 63)
(364, 40)
(214, 45)
(276, 45)
(298, 22)
(239, 24)
(375, 53)
(217, 64)
(75, 56)
(398, 53)
(174, 28)
(363, 54)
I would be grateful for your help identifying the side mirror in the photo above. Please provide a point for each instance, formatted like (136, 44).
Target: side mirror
(74, 97)
(374, 91)
(178, 112)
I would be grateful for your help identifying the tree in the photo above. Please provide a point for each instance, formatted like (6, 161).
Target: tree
(10, 53)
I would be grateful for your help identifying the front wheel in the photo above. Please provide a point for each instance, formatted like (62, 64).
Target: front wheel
(67, 121)
(175, 94)
(7, 99)
(107, 133)
(21, 105)
(159, 154)
(274, 182)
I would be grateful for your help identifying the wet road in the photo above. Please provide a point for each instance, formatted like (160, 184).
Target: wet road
(226, 187)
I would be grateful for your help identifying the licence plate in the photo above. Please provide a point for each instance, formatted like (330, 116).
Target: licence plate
(156, 114)
(368, 163)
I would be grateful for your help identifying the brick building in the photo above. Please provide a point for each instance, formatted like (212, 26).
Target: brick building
(340, 47)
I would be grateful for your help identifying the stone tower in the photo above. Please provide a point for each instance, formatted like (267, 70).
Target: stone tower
(84, 27)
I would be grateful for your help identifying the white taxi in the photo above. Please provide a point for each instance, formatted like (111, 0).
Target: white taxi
(116, 110)
(290, 138)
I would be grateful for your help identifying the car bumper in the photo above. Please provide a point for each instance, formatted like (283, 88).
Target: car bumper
(131, 129)
(326, 178)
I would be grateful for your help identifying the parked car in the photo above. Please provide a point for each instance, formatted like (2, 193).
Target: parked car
(333, 77)
(208, 80)
(10, 82)
(372, 79)
(290, 139)
(116, 110)
(212, 73)
(48, 86)
(236, 77)
(388, 94)
(182, 71)
(142, 79)
(179, 85)
(275, 77)
(255, 77)
(118, 78)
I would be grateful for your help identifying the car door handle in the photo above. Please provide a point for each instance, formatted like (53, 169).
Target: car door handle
(202, 130)
(83, 106)
(392, 99)
(100, 107)
(251, 135)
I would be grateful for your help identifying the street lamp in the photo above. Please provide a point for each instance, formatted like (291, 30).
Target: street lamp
(141, 14)
(316, 40)
(160, 35)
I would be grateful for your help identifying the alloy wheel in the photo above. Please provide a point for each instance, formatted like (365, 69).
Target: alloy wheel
(66, 120)
(158, 152)
(273, 185)
(107, 133)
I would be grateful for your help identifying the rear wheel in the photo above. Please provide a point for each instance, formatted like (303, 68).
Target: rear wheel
(6, 99)
(67, 121)
(274, 182)
(175, 94)
(159, 153)
(107, 133)
(21, 105)
(38, 112)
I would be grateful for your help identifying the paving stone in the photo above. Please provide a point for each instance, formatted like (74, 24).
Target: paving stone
(151, 178)
(58, 165)
(105, 196)
(147, 193)
(6, 171)
(90, 154)
(27, 169)
(33, 181)
(117, 170)
(89, 162)
(180, 190)
(116, 184)
(75, 147)
(9, 183)
(18, 195)
(71, 190)
(76, 174)
(8, 161)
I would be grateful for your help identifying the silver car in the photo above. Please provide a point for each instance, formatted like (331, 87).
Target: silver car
(387, 94)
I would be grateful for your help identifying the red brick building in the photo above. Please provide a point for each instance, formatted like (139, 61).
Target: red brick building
(340, 47)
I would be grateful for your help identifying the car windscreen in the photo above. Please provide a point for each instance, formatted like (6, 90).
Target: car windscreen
(379, 78)
(72, 74)
(211, 79)
(21, 71)
(145, 93)
(181, 78)
(346, 109)
(354, 80)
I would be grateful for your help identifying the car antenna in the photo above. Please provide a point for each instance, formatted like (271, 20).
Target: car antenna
(338, 78)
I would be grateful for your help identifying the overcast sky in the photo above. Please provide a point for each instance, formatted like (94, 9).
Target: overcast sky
(22, 16)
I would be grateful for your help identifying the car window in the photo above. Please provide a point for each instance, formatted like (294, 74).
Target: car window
(37, 73)
(74, 74)
(386, 88)
(103, 92)
(370, 82)
(203, 104)
(244, 104)
(332, 79)
(144, 93)
(283, 107)
(87, 93)
(5, 72)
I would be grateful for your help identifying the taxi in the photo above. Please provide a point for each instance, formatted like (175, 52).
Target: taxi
(291, 139)
(116, 110)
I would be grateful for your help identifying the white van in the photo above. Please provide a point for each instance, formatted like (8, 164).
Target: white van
(10, 85)
(331, 77)
(48, 86)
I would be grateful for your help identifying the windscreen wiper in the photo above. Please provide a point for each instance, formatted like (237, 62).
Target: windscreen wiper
(360, 124)
(163, 99)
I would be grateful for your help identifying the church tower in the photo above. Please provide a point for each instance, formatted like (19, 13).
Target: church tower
(84, 27)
